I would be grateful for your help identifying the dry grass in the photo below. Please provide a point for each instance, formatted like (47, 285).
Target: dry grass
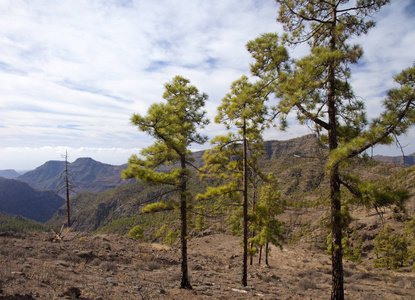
(128, 269)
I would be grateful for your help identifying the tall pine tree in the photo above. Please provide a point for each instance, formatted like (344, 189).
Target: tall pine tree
(317, 88)
(233, 157)
(174, 126)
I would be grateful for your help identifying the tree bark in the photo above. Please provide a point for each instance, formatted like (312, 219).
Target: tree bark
(245, 211)
(266, 254)
(260, 256)
(185, 283)
(68, 210)
(335, 204)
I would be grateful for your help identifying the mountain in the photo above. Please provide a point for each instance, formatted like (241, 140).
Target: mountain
(19, 224)
(9, 173)
(407, 160)
(297, 163)
(85, 174)
(18, 198)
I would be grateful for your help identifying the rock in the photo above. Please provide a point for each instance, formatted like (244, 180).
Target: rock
(63, 263)
(162, 291)
(72, 292)
(85, 254)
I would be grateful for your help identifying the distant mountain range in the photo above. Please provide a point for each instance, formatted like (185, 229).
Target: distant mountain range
(33, 194)
(298, 163)
(10, 174)
(18, 198)
(407, 160)
(86, 174)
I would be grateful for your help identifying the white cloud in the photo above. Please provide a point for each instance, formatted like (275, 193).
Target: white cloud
(72, 72)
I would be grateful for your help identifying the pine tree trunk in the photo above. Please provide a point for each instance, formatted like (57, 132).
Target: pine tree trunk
(260, 256)
(245, 212)
(337, 256)
(266, 254)
(185, 283)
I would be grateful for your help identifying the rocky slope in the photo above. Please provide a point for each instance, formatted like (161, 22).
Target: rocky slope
(87, 266)
(297, 163)
(18, 198)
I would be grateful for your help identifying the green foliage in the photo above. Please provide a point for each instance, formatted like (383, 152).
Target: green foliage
(317, 88)
(161, 232)
(244, 109)
(171, 237)
(174, 126)
(156, 207)
(376, 196)
(200, 223)
(137, 233)
(410, 235)
(19, 224)
(235, 224)
(391, 250)
(351, 253)
(264, 222)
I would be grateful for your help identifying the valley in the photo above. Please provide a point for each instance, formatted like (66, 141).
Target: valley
(100, 261)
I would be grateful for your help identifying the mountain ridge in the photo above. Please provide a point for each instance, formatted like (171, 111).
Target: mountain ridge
(85, 173)
(9, 173)
(18, 198)
(297, 163)
(404, 160)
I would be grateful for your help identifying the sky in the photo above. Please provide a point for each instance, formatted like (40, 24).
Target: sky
(72, 72)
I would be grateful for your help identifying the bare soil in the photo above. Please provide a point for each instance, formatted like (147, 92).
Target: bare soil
(91, 266)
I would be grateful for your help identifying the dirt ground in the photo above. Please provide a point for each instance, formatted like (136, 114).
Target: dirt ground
(90, 266)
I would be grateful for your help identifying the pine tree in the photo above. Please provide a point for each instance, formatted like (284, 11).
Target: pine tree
(316, 87)
(233, 157)
(174, 127)
(410, 235)
(391, 249)
(268, 228)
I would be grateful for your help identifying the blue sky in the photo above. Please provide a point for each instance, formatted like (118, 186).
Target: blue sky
(72, 72)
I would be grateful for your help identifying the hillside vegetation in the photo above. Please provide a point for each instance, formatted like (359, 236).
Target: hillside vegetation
(297, 163)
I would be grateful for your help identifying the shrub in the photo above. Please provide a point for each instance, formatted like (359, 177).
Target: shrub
(171, 237)
(153, 265)
(108, 266)
(306, 284)
(137, 233)
(410, 234)
(391, 250)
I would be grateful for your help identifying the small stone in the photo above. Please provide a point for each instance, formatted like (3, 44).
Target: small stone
(63, 263)
(162, 291)
(72, 292)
